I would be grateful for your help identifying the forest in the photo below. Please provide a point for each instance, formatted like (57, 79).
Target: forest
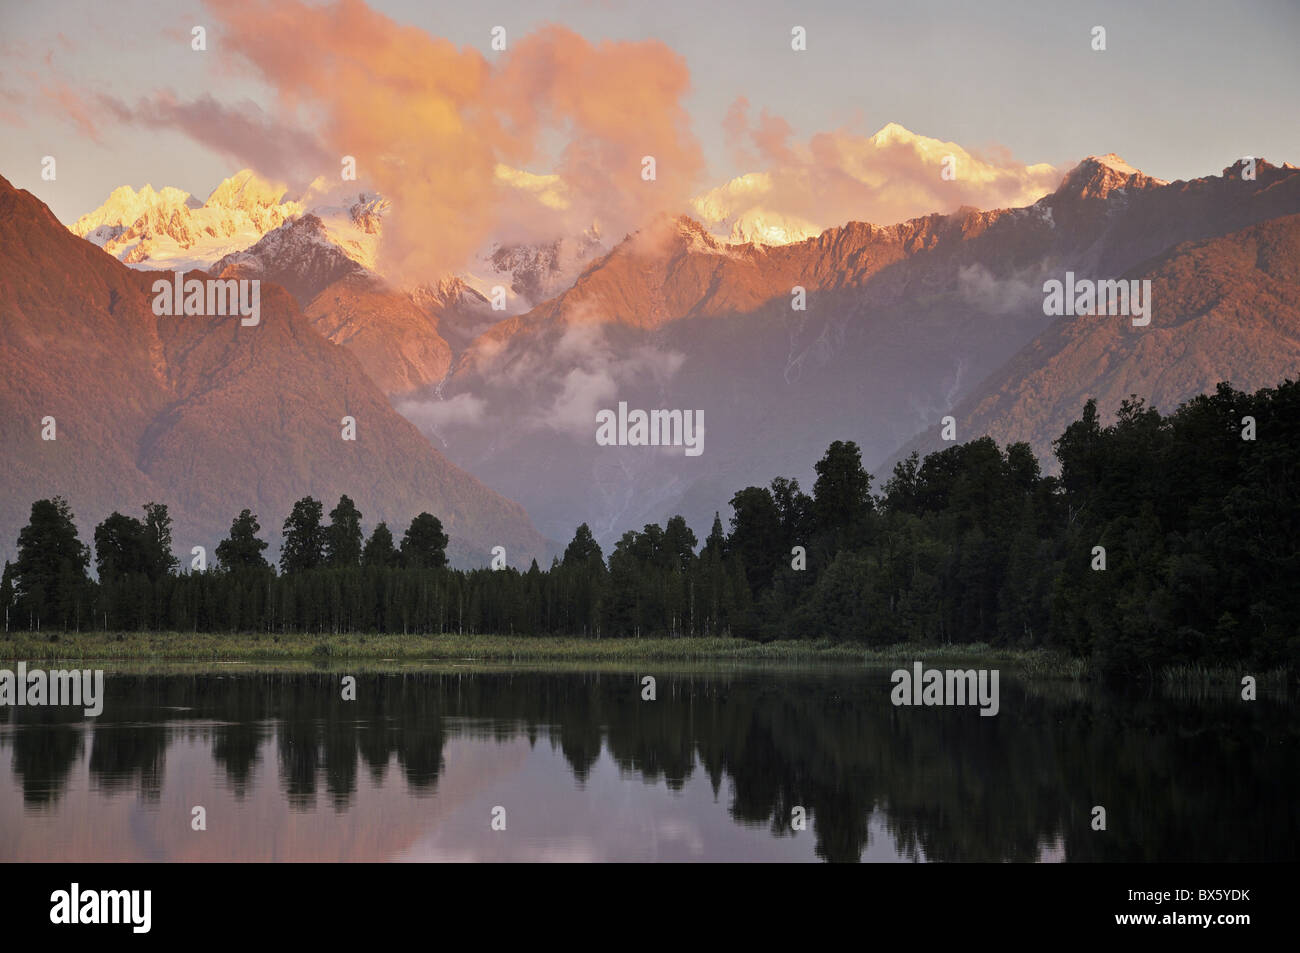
(1161, 540)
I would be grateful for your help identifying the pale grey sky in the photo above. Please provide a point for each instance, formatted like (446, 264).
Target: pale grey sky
(1184, 87)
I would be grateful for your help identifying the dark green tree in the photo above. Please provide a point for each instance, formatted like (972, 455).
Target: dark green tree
(241, 549)
(343, 536)
(679, 544)
(796, 510)
(583, 549)
(901, 488)
(380, 551)
(160, 561)
(842, 492)
(757, 536)
(717, 540)
(49, 575)
(120, 548)
(425, 544)
(303, 547)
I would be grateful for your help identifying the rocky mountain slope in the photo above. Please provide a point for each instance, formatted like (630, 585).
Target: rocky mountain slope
(902, 322)
(1224, 309)
(201, 413)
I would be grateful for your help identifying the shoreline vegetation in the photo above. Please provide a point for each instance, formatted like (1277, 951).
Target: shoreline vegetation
(1165, 547)
(201, 648)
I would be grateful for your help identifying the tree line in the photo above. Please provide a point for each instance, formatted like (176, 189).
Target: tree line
(1164, 539)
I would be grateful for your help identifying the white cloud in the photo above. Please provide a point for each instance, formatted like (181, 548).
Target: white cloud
(436, 414)
(837, 177)
(995, 295)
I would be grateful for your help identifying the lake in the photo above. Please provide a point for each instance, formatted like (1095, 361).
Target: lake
(430, 760)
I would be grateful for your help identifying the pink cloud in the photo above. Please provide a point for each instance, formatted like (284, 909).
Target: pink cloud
(794, 188)
(428, 123)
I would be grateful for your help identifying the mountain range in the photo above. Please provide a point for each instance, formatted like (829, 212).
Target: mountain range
(904, 324)
(864, 332)
(201, 413)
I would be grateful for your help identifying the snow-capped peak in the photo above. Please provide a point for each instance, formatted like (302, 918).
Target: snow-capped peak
(170, 229)
(1099, 175)
(125, 206)
(354, 222)
(734, 213)
(248, 191)
(1112, 161)
(532, 272)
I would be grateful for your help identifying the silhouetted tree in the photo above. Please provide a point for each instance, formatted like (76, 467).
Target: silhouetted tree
(425, 544)
(380, 552)
(160, 561)
(49, 575)
(120, 547)
(583, 549)
(343, 536)
(971, 543)
(757, 538)
(303, 547)
(241, 549)
(842, 492)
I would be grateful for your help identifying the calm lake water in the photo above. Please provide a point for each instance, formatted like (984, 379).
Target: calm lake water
(712, 770)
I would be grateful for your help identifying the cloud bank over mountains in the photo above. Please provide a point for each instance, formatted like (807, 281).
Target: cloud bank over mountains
(803, 188)
(541, 141)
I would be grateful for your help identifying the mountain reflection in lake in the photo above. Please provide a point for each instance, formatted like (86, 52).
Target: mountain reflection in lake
(586, 770)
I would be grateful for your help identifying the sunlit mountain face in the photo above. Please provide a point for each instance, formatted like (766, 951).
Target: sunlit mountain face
(899, 324)
(506, 237)
(188, 411)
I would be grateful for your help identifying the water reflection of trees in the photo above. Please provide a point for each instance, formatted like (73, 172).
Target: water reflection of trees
(1190, 778)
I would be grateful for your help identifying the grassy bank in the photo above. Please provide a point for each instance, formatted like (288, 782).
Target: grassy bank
(146, 647)
(185, 646)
